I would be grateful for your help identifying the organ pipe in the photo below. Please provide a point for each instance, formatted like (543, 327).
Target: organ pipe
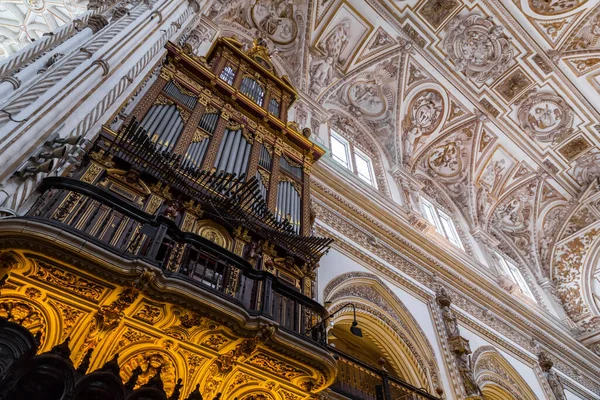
(264, 159)
(164, 125)
(234, 152)
(252, 89)
(208, 122)
(261, 185)
(289, 204)
(173, 91)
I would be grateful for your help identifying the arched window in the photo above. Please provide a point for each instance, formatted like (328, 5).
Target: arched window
(228, 74)
(512, 272)
(253, 89)
(444, 225)
(352, 158)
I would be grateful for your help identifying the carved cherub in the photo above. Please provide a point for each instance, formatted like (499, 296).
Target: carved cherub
(255, 252)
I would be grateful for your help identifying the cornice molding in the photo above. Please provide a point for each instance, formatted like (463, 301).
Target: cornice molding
(415, 260)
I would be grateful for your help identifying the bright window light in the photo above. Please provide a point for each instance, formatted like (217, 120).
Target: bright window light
(513, 273)
(364, 168)
(340, 150)
(442, 222)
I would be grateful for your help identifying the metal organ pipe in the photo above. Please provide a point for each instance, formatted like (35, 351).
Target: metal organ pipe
(172, 90)
(247, 151)
(289, 203)
(233, 158)
(234, 153)
(165, 122)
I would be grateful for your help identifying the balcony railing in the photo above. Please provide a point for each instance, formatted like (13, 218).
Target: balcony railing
(113, 223)
(357, 380)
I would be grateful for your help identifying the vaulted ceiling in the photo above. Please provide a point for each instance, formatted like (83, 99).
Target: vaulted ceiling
(24, 21)
(497, 101)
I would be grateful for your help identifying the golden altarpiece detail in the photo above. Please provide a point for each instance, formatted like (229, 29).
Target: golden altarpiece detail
(178, 256)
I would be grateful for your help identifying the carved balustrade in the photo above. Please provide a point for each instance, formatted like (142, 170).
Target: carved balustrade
(113, 223)
(357, 380)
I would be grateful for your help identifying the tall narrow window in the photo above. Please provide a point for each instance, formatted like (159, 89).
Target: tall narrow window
(340, 150)
(444, 225)
(513, 273)
(364, 167)
(228, 74)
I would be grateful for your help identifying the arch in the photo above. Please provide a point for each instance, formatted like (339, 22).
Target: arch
(150, 358)
(385, 321)
(497, 378)
(36, 316)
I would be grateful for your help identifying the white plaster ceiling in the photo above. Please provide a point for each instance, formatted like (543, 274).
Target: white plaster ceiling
(24, 21)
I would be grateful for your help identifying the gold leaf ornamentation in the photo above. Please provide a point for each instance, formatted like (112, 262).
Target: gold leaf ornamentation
(68, 281)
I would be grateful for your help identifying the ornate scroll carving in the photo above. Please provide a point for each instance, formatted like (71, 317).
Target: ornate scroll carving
(69, 281)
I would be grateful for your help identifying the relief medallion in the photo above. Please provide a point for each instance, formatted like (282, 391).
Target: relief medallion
(554, 7)
(478, 47)
(368, 97)
(545, 117)
(276, 20)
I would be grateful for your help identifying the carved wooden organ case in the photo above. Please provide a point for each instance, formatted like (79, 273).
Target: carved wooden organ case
(209, 148)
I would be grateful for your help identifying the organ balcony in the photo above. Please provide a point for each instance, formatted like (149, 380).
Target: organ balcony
(198, 208)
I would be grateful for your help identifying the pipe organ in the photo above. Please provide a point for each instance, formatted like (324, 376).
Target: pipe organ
(195, 216)
(226, 115)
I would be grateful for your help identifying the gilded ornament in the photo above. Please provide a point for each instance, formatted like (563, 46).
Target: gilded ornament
(69, 281)
(277, 367)
(149, 313)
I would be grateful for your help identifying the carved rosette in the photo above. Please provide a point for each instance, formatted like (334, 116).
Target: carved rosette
(478, 47)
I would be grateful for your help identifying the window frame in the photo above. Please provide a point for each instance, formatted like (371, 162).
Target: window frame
(372, 180)
(333, 135)
(509, 269)
(435, 215)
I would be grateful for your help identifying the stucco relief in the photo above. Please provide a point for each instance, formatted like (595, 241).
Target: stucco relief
(478, 47)
(343, 36)
(587, 168)
(546, 117)
(587, 35)
(554, 7)
(568, 264)
(424, 115)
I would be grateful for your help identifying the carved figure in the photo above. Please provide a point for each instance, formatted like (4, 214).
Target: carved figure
(255, 252)
(321, 72)
(450, 322)
(337, 40)
(410, 139)
(553, 380)
(465, 369)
